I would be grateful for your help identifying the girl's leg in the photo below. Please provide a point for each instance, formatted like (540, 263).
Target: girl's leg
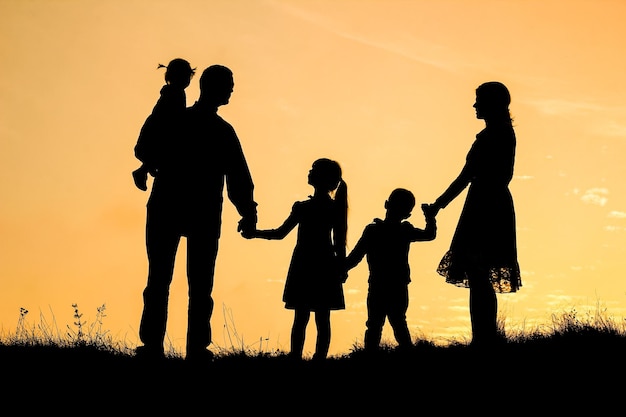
(322, 321)
(483, 305)
(298, 332)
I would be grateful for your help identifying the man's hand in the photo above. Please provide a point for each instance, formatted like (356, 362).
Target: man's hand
(247, 226)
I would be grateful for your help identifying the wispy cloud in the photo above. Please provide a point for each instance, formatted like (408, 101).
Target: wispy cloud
(609, 118)
(617, 214)
(611, 128)
(559, 300)
(597, 196)
(555, 106)
(615, 228)
(402, 44)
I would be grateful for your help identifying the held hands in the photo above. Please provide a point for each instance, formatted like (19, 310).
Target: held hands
(430, 210)
(247, 227)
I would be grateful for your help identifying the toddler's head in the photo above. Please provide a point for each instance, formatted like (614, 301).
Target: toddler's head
(179, 72)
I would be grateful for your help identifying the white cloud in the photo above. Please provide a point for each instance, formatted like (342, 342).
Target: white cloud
(611, 128)
(409, 47)
(597, 196)
(555, 300)
(555, 106)
(617, 214)
(612, 115)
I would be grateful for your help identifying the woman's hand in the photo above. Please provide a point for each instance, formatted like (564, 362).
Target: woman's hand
(430, 210)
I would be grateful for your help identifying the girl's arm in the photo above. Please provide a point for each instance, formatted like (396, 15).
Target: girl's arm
(279, 233)
(358, 253)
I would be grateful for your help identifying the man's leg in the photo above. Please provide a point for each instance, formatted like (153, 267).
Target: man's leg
(201, 257)
(161, 244)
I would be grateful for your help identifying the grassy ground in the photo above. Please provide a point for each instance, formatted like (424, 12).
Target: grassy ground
(573, 367)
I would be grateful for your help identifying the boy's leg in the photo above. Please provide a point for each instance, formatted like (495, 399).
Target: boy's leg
(375, 321)
(140, 177)
(397, 308)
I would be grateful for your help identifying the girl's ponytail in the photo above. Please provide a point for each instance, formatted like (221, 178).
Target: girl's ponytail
(341, 231)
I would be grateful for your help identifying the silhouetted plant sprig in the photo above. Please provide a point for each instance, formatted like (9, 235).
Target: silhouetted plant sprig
(236, 344)
(79, 334)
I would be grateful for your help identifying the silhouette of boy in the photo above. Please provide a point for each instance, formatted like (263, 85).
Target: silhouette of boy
(386, 244)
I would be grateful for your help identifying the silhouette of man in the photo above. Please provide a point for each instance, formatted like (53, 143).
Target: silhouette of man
(186, 201)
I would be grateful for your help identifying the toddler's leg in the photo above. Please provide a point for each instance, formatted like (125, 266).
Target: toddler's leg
(140, 176)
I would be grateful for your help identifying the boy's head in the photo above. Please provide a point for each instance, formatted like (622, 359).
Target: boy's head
(400, 204)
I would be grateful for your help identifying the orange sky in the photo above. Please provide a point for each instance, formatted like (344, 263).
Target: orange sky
(385, 87)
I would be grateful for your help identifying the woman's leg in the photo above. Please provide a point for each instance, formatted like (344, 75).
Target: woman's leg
(483, 305)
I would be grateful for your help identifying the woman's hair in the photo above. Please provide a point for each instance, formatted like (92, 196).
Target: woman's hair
(329, 178)
(178, 70)
(496, 97)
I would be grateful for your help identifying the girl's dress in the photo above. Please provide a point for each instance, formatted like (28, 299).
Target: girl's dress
(314, 280)
(485, 237)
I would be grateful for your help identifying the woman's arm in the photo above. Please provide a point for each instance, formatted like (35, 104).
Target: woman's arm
(454, 189)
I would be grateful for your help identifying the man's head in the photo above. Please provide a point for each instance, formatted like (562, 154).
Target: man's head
(216, 85)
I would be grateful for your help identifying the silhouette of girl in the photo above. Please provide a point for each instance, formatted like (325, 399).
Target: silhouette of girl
(170, 105)
(316, 273)
(483, 252)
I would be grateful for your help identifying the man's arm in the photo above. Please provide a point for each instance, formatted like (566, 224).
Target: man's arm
(239, 185)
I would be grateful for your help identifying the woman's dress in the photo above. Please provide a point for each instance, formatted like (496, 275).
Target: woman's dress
(485, 236)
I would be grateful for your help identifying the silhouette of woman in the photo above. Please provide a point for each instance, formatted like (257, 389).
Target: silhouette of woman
(483, 252)
(316, 273)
